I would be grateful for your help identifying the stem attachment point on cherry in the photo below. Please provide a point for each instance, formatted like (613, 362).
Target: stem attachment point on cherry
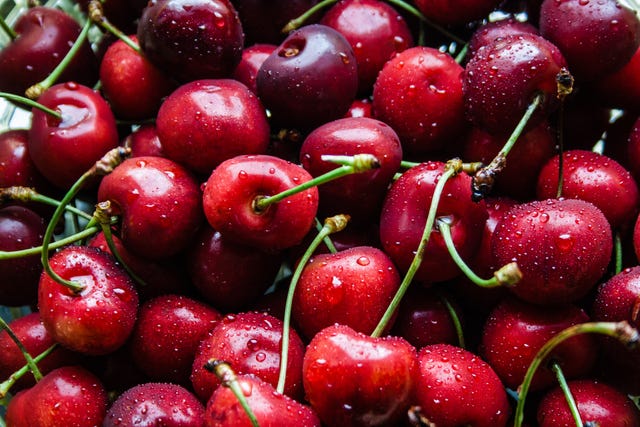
(229, 379)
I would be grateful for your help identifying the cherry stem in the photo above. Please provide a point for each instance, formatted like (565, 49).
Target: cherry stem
(30, 103)
(26, 194)
(36, 90)
(327, 240)
(53, 246)
(7, 29)
(96, 15)
(455, 319)
(33, 367)
(6, 385)
(452, 168)
(229, 379)
(102, 167)
(484, 179)
(560, 151)
(331, 225)
(349, 165)
(571, 401)
(462, 54)
(415, 12)
(622, 331)
(507, 275)
(296, 23)
(617, 246)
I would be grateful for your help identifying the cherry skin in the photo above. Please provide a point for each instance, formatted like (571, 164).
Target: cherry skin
(16, 166)
(270, 408)
(404, 215)
(597, 402)
(133, 86)
(252, 58)
(502, 78)
(316, 67)
(234, 186)
(97, 320)
(455, 387)
(515, 331)
(353, 287)
(166, 336)
(35, 338)
(633, 149)
(418, 93)
(151, 403)
(621, 89)
(375, 31)
(229, 275)
(352, 379)
(69, 395)
(201, 41)
(489, 32)
(447, 13)
(45, 35)
(144, 141)
(251, 343)
(361, 194)
(596, 178)
(360, 108)
(63, 150)
(20, 228)
(205, 122)
(562, 247)
(596, 38)
(160, 203)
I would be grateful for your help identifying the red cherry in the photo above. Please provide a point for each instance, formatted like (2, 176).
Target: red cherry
(16, 166)
(205, 122)
(252, 58)
(351, 379)
(461, 12)
(230, 196)
(144, 141)
(490, 31)
(621, 89)
(98, 319)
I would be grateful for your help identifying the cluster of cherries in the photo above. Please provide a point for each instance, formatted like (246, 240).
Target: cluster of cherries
(336, 213)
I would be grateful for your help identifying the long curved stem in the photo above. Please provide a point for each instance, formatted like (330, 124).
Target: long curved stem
(571, 401)
(33, 367)
(26, 194)
(30, 103)
(87, 232)
(300, 20)
(229, 379)
(6, 385)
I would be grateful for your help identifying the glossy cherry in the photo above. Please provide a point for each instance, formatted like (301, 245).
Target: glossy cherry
(252, 58)
(490, 31)
(16, 166)
(144, 141)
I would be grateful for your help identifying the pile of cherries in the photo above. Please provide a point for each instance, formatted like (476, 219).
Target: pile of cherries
(336, 213)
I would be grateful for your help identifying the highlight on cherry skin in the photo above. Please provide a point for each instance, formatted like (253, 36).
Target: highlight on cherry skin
(320, 213)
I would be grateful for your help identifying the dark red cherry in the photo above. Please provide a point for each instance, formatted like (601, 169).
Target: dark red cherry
(490, 31)
(16, 166)
(621, 89)
(458, 13)
(252, 58)
(199, 40)
(317, 69)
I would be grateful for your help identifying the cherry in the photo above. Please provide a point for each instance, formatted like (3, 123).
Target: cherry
(20, 228)
(68, 395)
(360, 108)
(490, 31)
(232, 191)
(375, 31)
(35, 339)
(619, 89)
(418, 93)
(144, 141)
(455, 387)
(155, 404)
(404, 215)
(252, 58)
(447, 13)
(100, 317)
(64, 148)
(250, 342)
(357, 195)
(351, 287)
(160, 203)
(166, 336)
(316, 67)
(351, 379)
(504, 76)
(16, 166)
(201, 41)
(515, 331)
(596, 38)
(132, 85)
(598, 404)
(562, 246)
(596, 178)
(229, 275)
(205, 122)
(45, 35)
(270, 409)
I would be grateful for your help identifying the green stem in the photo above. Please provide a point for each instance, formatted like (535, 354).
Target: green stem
(462, 54)
(416, 13)
(36, 90)
(350, 165)
(405, 164)
(507, 275)
(33, 367)
(296, 23)
(562, 381)
(331, 225)
(560, 151)
(228, 378)
(26, 194)
(327, 239)
(618, 252)
(96, 15)
(7, 29)
(619, 330)
(455, 319)
(87, 232)
(30, 103)
(6, 385)
(451, 169)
